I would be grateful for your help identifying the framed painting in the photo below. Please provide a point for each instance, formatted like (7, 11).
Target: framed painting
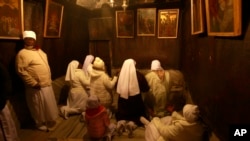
(168, 23)
(100, 28)
(146, 20)
(125, 24)
(53, 19)
(197, 18)
(224, 17)
(11, 19)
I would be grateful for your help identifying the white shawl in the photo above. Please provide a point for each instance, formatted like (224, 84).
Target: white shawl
(127, 81)
(70, 74)
(88, 61)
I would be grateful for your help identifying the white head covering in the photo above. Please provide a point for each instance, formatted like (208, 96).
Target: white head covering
(92, 102)
(127, 83)
(99, 64)
(70, 74)
(156, 65)
(30, 34)
(191, 112)
(88, 61)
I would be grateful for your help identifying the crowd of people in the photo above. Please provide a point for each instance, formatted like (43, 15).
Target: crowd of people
(157, 100)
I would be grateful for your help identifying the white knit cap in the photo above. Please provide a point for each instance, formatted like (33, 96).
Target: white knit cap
(191, 112)
(98, 64)
(29, 34)
(156, 65)
(92, 102)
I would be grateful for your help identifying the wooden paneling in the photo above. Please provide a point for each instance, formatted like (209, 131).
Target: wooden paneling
(217, 72)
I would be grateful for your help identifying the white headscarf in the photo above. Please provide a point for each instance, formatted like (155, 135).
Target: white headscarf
(127, 83)
(156, 65)
(88, 61)
(191, 112)
(70, 74)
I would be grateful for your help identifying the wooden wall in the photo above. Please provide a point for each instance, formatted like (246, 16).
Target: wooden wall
(217, 70)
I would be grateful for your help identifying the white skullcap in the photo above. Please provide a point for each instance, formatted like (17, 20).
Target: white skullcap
(29, 34)
(191, 112)
(98, 64)
(156, 65)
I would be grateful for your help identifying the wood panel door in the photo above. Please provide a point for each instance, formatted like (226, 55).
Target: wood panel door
(102, 49)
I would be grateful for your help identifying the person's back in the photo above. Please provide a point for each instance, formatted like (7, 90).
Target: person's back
(77, 97)
(188, 128)
(97, 119)
(100, 83)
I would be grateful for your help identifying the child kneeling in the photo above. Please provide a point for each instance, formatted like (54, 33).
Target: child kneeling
(97, 120)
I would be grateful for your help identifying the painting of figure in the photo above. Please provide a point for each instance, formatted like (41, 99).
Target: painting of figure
(223, 17)
(11, 19)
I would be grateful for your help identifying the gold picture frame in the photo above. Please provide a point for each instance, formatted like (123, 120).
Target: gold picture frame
(11, 19)
(125, 24)
(197, 18)
(224, 17)
(53, 19)
(168, 20)
(146, 20)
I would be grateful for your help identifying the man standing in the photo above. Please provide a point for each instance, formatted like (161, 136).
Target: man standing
(32, 66)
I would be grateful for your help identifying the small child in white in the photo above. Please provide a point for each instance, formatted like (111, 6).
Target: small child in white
(178, 127)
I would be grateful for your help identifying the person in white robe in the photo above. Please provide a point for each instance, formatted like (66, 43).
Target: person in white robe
(101, 84)
(158, 81)
(33, 67)
(179, 126)
(77, 97)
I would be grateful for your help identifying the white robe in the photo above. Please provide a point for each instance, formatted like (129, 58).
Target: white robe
(42, 104)
(33, 68)
(77, 98)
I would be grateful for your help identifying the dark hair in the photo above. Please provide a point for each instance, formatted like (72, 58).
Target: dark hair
(177, 99)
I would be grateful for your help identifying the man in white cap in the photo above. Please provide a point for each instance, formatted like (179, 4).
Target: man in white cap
(33, 67)
(158, 80)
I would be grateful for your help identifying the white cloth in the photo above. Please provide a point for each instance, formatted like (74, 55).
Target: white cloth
(88, 61)
(151, 132)
(191, 112)
(101, 84)
(70, 74)
(156, 65)
(99, 64)
(77, 97)
(8, 128)
(127, 81)
(179, 129)
(30, 34)
(42, 104)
